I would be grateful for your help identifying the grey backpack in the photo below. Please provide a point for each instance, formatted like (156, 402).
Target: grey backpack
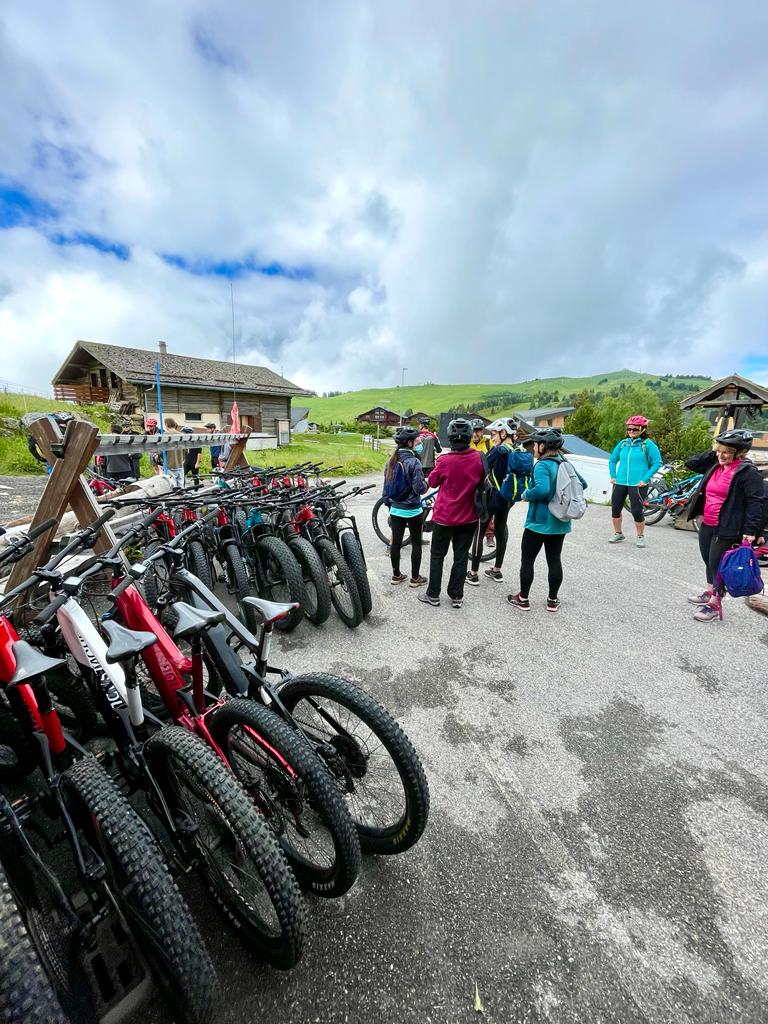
(567, 501)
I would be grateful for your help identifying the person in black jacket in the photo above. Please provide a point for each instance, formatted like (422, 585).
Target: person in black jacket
(404, 484)
(503, 436)
(731, 501)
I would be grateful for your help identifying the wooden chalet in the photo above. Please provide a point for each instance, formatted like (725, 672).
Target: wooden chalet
(381, 415)
(194, 391)
(733, 398)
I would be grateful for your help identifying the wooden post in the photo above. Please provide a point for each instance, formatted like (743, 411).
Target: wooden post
(237, 455)
(65, 488)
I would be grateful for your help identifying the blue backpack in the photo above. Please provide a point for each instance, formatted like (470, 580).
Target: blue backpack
(399, 487)
(739, 572)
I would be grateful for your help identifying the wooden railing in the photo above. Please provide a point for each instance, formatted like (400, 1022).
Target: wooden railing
(83, 393)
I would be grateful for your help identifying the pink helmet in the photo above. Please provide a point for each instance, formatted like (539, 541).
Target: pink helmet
(637, 421)
(151, 422)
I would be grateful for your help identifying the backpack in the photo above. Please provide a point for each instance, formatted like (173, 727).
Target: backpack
(739, 572)
(483, 491)
(398, 488)
(567, 501)
(514, 483)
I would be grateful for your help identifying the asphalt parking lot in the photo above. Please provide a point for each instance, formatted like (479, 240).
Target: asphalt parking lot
(598, 843)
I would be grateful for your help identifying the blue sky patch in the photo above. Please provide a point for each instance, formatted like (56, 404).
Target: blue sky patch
(122, 252)
(754, 365)
(210, 52)
(19, 206)
(234, 269)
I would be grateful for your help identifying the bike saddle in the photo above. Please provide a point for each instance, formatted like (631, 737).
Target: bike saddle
(31, 663)
(125, 643)
(194, 620)
(270, 611)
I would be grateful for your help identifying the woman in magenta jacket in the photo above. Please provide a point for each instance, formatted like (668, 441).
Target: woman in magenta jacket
(454, 517)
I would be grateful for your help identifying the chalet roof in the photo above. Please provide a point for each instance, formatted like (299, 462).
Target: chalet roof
(534, 414)
(374, 408)
(138, 366)
(575, 445)
(298, 413)
(742, 390)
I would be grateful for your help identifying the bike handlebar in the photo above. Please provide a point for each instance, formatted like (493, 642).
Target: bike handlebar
(17, 548)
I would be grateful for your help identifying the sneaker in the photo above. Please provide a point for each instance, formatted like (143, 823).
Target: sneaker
(473, 579)
(701, 599)
(616, 538)
(397, 577)
(517, 601)
(494, 574)
(417, 581)
(707, 614)
(640, 542)
(457, 602)
(426, 599)
(553, 604)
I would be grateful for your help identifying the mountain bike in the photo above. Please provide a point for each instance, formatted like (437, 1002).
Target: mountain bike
(382, 523)
(117, 861)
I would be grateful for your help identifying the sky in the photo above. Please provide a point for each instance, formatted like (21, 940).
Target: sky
(478, 191)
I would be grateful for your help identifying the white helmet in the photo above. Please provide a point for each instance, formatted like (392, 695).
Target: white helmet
(503, 424)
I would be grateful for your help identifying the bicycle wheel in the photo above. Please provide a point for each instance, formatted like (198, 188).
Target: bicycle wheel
(346, 599)
(373, 761)
(238, 584)
(294, 793)
(316, 589)
(142, 887)
(198, 564)
(26, 994)
(381, 527)
(74, 704)
(355, 559)
(156, 581)
(17, 755)
(282, 579)
(235, 849)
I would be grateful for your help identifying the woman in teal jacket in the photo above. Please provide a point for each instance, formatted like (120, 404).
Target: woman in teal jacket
(542, 529)
(633, 463)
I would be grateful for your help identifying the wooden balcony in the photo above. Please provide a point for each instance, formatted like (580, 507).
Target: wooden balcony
(85, 394)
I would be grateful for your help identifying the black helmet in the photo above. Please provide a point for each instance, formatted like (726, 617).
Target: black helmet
(550, 437)
(405, 434)
(477, 424)
(424, 421)
(736, 439)
(459, 431)
(63, 417)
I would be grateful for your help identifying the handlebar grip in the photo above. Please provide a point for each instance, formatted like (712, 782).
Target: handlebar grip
(48, 613)
(41, 529)
(128, 581)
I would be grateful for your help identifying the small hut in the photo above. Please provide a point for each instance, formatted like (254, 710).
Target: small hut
(733, 398)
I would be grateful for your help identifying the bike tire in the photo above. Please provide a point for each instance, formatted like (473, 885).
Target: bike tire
(143, 888)
(17, 755)
(285, 582)
(183, 764)
(344, 594)
(380, 523)
(327, 860)
(355, 559)
(316, 589)
(155, 581)
(74, 704)
(26, 994)
(198, 564)
(239, 585)
(347, 758)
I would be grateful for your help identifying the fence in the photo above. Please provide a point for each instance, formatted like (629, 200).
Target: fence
(374, 443)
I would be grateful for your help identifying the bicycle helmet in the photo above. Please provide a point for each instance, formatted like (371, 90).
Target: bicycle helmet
(151, 423)
(477, 424)
(63, 417)
(502, 424)
(405, 434)
(459, 431)
(424, 421)
(637, 421)
(550, 437)
(737, 438)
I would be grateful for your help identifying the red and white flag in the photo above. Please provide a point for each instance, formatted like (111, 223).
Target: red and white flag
(235, 414)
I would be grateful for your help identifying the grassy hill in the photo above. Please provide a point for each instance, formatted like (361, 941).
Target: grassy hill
(14, 456)
(487, 399)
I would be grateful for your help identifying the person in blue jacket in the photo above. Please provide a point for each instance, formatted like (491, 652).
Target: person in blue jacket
(404, 484)
(633, 463)
(542, 529)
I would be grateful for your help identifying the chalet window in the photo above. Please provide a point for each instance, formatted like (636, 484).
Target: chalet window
(103, 377)
(193, 417)
(114, 383)
(94, 380)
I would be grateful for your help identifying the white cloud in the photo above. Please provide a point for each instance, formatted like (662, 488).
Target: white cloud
(486, 191)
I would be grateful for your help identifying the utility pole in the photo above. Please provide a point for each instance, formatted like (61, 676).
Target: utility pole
(402, 385)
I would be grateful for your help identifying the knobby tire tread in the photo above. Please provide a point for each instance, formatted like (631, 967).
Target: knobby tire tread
(178, 953)
(321, 793)
(278, 551)
(401, 835)
(312, 569)
(332, 557)
(355, 559)
(200, 763)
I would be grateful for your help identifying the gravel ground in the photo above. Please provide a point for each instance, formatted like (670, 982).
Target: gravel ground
(19, 496)
(596, 850)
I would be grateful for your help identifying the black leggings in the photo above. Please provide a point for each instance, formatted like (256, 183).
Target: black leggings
(398, 525)
(636, 498)
(529, 549)
(499, 517)
(712, 548)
